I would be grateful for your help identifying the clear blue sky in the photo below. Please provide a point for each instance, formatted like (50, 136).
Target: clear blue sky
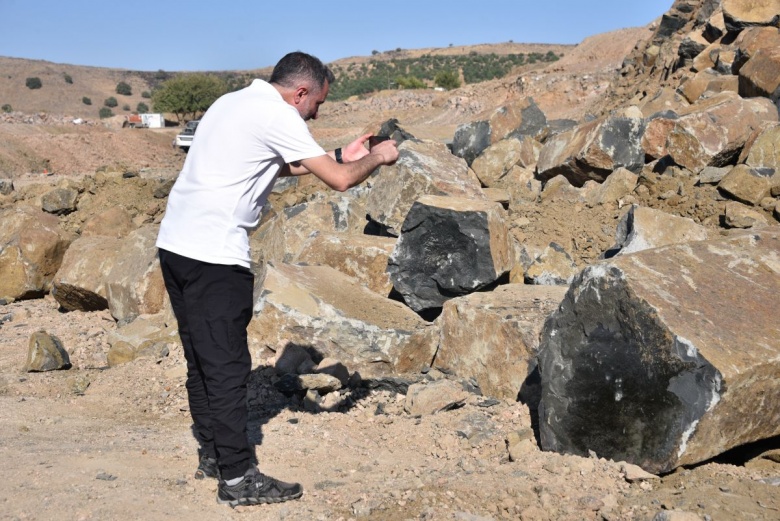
(181, 35)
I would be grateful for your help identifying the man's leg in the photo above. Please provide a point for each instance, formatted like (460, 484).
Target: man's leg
(216, 306)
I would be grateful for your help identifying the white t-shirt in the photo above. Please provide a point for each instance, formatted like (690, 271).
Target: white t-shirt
(241, 143)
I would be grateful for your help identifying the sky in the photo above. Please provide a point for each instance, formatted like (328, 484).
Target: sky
(198, 35)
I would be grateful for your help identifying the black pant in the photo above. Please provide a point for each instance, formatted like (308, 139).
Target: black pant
(213, 306)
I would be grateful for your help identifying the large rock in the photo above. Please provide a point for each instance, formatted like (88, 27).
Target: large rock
(363, 257)
(328, 214)
(60, 201)
(422, 168)
(708, 81)
(553, 267)
(448, 247)
(45, 352)
(749, 185)
(135, 285)
(521, 184)
(762, 151)
(332, 313)
(667, 357)
(495, 161)
(493, 337)
(760, 76)
(81, 282)
(750, 41)
(740, 14)
(713, 131)
(516, 119)
(32, 245)
(114, 222)
(643, 228)
(593, 150)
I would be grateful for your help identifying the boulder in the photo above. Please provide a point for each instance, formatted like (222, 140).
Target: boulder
(521, 185)
(708, 81)
(712, 175)
(135, 284)
(655, 136)
(449, 246)
(45, 352)
(60, 201)
(737, 215)
(667, 357)
(750, 41)
(559, 189)
(422, 168)
(493, 337)
(713, 131)
(760, 76)
(432, 397)
(32, 245)
(761, 151)
(6, 186)
(80, 284)
(328, 312)
(643, 228)
(114, 222)
(363, 257)
(618, 185)
(748, 185)
(593, 150)
(496, 160)
(553, 267)
(266, 242)
(145, 337)
(516, 119)
(741, 14)
(329, 214)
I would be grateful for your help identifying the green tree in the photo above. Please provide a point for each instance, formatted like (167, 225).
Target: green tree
(86, 101)
(67, 78)
(142, 108)
(125, 107)
(146, 94)
(447, 79)
(33, 83)
(111, 102)
(7, 108)
(105, 112)
(188, 95)
(124, 89)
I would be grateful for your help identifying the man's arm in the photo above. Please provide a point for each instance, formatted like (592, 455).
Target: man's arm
(352, 152)
(340, 176)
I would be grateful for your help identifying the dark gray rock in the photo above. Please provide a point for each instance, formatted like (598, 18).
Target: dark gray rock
(6, 186)
(471, 139)
(666, 357)
(60, 201)
(449, 247)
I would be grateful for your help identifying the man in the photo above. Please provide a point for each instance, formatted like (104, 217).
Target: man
(244, 141)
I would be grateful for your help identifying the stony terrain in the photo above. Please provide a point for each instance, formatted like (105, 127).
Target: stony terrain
(100, 442)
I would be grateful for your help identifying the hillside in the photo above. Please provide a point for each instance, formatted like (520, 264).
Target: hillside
(39, 134)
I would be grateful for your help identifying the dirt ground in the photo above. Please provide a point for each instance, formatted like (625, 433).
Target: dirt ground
(98, 443)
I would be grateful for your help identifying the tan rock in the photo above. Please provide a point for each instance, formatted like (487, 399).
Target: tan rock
(760, 76)
(748, 185)
(493, 337)
(115, 222)
(737, 215)
(363, 257)
(708, 81)
(521, 185)
(81, 282)
(496, 160)
(644, 228)
(45, 352)
(433, 397)
(762, 151)
(740, 14)
(330, 214)
(655, 137)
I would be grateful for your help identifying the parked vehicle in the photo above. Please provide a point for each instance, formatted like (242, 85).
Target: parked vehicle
(144, 121)
(184, 138)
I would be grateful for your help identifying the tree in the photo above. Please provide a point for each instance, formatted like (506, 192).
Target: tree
(447, 79)
(67, 78)
(86, 101)
(124, 89)
(142, 108)
(33, 83)
(105, 112)
(111, 102)
(188, 95)
(7, 108)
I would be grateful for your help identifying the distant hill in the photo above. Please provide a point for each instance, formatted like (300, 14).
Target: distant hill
(64, 87)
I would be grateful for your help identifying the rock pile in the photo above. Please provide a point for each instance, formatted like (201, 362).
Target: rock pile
(661, 349)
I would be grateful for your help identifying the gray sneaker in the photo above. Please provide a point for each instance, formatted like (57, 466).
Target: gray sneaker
(257, 488)
(207, 468)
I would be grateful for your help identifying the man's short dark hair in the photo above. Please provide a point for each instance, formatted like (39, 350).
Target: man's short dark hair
(299, 66)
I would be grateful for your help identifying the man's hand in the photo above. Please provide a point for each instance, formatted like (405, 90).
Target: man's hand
(355, 150)
(388, 150)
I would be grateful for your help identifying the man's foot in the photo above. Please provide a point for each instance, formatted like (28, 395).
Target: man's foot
(207, 468)
(257, 488)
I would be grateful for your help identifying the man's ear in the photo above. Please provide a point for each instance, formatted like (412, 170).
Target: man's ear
(300, 93)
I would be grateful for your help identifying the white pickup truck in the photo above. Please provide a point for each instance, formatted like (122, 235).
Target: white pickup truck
(184, 138)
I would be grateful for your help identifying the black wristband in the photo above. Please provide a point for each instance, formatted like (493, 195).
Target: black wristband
(339, 159)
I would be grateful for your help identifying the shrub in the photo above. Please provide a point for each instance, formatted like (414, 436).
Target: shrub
(105, 112)
(7, 108)
(33, 83)
(142, 108)
(111, 102)
(67, 78)
(125, 107)
(86, 101)
(123, 89)
(447, 79)
(146, 94)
